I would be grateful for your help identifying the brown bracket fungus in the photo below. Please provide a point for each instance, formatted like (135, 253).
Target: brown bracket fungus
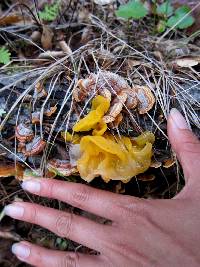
(61, 167)
(24, 133)
(35, 147)
(117, 91)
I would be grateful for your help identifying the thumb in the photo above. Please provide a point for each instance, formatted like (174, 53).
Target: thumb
(187, 147)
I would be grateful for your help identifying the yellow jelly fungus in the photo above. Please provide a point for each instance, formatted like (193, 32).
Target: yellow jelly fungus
(94, 119)
(142, 139)
(100, 128)
(74, 139)
(105, 155)
(114, 158)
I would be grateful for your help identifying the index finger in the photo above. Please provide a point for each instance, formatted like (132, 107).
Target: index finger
(93, 200)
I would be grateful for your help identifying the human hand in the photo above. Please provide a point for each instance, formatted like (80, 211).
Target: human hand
(143, 232)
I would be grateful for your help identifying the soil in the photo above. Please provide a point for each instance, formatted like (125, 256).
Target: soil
(94, 39)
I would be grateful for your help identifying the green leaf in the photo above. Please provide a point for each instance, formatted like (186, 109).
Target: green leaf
(50, 12)
(31, 173)
(161, 27)
(4, 55)
(133, 9)
(178, 16)
(183, 10)
(165, 9)
(2, 111)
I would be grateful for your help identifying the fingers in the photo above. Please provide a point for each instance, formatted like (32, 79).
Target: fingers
(41, 257)
(96, 201)
(67, 225)
(186, 145)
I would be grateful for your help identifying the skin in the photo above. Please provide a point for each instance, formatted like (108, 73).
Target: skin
(143, 232)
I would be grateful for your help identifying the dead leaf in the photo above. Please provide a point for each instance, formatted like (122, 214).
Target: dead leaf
(83, 15)
(155, 164)
(50, 111)
(36, 36)
(119, 189)
(8, 170)
(169, 163)
(65, 48)
(51, 54)
(39, 91)
(10, 19)
(103, 2)
(35, 117)
(49, 174)
(187, 62)
(173, 48)
(146, 177)
(116, 122)
(9, 235)
(131, 63)
(87, 35)
(21, 147)
(47, 37)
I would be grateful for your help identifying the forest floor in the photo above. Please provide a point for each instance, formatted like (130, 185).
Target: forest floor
(47, 50)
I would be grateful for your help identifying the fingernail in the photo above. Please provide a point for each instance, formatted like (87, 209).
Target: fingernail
(178, 119)
(14, 211)
(31, 186)
(21, 250)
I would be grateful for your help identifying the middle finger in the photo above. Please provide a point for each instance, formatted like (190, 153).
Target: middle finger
(64, 224)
